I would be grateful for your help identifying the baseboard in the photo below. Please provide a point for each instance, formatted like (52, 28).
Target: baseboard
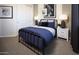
(9, 36)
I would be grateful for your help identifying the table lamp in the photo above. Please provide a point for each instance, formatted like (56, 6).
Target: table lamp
(36, 20)
(63, 18)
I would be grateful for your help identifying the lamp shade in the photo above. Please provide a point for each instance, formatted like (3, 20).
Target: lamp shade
(63, 17)
(36, 17)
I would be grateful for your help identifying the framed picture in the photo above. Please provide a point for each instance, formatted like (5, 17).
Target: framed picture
(51, 10)
(6, 12)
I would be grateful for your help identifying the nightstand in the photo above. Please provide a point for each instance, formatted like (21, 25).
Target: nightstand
(63, 33)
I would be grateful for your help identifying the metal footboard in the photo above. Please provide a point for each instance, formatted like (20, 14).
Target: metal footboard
(32, 41)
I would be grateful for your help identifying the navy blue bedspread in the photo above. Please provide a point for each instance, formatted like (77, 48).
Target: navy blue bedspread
(43, 33)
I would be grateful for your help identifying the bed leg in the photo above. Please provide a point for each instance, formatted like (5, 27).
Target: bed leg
(43, 52)
(18, 38)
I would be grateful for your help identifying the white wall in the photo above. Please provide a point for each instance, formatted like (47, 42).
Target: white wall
(22, 17)
(40, 7)
(35, 9)
(58, 12)
(66, 9)
(0, 28)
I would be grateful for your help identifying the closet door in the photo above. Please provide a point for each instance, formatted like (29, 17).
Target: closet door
(24, 15)
(74, 29)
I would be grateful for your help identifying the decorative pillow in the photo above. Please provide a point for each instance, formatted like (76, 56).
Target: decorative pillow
(51, 23)
(43, 20)
(43, 24)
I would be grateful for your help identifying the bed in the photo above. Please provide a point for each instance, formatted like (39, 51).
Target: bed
(37, 38)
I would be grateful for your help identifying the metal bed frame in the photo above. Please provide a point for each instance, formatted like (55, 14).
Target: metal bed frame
(32, 47)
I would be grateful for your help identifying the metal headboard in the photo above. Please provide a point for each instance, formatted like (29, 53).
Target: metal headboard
(49, 20)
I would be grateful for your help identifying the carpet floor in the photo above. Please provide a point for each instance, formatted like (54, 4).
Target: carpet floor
(11, 46)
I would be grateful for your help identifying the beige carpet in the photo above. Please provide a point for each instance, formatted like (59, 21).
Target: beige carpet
(11, 46)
